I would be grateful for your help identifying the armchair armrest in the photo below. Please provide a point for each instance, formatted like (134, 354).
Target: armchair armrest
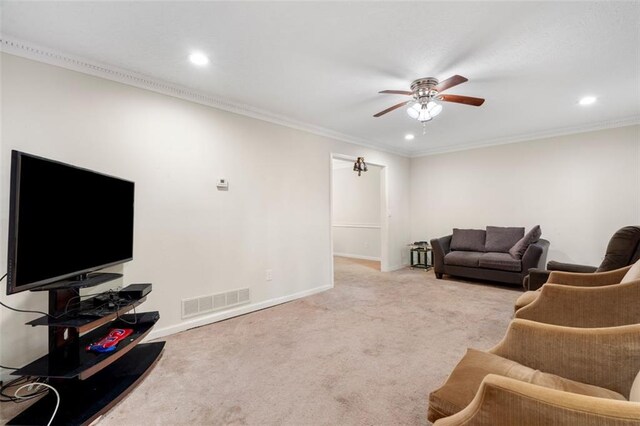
(588, 280)
(440, 246)
(505, 401)
(570, 267)
(605, 357)
(571, 306)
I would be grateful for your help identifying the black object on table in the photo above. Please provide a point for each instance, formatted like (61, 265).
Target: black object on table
(421, 255)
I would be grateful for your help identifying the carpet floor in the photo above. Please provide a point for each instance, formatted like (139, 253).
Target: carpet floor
(367, 352)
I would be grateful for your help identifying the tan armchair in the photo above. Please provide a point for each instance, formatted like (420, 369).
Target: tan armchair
(571, 306)
(545, 374)
(597, 279)
(528, 404)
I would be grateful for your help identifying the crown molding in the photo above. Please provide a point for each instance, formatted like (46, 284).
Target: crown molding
(49, 56)
(524, 137)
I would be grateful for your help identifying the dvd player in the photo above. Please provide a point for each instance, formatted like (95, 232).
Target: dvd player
(135, 291)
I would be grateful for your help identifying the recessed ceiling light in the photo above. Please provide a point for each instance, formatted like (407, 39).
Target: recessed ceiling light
(409, 137)
(199, 59)
(587, 100)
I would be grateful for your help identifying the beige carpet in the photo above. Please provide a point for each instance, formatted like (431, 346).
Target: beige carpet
(367, 352)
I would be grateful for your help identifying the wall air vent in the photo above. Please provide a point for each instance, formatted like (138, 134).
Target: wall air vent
(243, 295)
(214, 302)
(189, 307)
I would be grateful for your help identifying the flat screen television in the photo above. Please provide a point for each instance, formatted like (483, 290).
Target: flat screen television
(64, 221)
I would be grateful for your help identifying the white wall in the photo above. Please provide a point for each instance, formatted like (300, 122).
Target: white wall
(356, 211)
(193, 240)
(190, 239)
(580, 188)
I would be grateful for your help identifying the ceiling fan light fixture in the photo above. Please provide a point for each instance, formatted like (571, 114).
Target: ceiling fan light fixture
(420, 112)
(426, 95)
(434, 108)
(414, 110)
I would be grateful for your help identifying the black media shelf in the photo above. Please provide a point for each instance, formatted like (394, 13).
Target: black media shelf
(89, 383)
(83, 401)
(78, 362)
(84, 323)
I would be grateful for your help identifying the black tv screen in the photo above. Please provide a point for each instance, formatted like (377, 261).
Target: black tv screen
(64, 221)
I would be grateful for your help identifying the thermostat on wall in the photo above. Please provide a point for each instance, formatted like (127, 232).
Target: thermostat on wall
(222, 184)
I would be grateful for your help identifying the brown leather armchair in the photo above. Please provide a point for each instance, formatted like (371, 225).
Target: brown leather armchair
(623, 250)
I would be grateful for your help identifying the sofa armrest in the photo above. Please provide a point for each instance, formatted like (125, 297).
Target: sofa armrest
(570, 267)
(572, 306)
(536, 278)
(606, 357)
(505, 401)
(440, 246)
(536, 255)
(588, 280)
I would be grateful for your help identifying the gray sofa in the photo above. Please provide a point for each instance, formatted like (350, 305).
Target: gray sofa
(496, 254)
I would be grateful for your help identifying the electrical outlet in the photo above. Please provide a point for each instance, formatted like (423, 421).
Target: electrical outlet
(269, 275)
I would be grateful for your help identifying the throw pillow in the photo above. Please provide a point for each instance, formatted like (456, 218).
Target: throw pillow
(632, 274)
(468, 239)
(502, 239)
(523, 243)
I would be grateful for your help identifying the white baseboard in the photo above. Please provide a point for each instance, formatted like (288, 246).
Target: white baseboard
(357, 256)
(240, 310)
(396, 267)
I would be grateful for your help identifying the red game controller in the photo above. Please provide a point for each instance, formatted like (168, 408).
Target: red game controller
(109, 342)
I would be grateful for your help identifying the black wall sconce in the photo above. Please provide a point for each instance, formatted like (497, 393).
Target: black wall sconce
(360, 166)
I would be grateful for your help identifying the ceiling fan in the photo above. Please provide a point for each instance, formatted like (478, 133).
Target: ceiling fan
(425, 93)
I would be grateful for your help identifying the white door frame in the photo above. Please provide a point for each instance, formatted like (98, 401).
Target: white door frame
(384, 208)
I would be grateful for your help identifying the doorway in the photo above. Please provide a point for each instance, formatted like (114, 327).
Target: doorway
(359, 212)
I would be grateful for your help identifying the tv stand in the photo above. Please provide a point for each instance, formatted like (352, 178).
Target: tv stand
(81, 281)
(89, 383)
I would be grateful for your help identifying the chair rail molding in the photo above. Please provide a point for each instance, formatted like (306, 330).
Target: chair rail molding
(355, 225)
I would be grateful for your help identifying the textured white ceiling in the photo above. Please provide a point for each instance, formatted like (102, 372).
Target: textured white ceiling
(322, 63)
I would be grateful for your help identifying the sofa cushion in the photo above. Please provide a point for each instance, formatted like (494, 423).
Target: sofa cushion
(466, 377)
(523, 243)
(500, 239)
(463, 258)
(468, 239)
(501, 261)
